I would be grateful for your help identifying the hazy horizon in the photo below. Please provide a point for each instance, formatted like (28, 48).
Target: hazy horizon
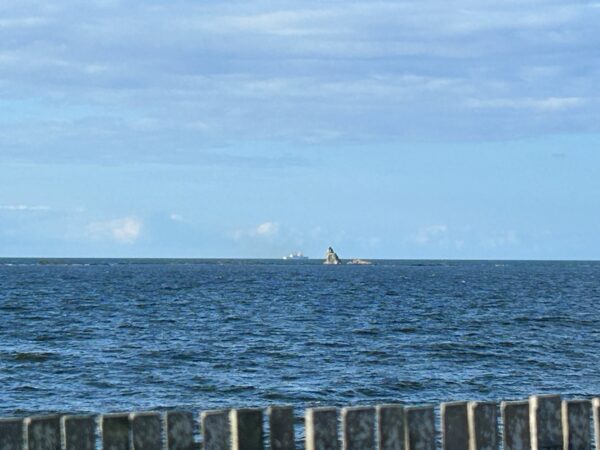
(310, 259)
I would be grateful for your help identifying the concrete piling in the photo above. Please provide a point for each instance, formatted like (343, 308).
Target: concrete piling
(115, 432)
(12, 434)
(515, 432)
(281, 428)
(390, 427)
(483, 425)
(419, 428)
(78, 432)
(146, 430)
(246, 429)
(544, 422)
(321, 429)
(216, 433)
(43, 433)
(576, 424)
(455, 426)
(358, 428)
(596, 413)
(179, 430)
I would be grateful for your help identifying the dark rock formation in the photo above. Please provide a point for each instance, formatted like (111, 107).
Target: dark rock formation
(331, 257)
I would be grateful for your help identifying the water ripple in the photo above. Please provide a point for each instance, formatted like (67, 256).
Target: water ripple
(108, 335)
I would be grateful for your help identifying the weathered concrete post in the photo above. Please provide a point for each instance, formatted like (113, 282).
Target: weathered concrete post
(483, 425)
(515, 433)
(455, 426)
(419, 428)
(545, 422)
(216, 432)
(246, 429)
(596, 409)
(146, 431)
(43, 433)
(281, 427)
(390, 427)
(358, 428)
(179, 430)
(576, 425)
(78, 432)
(321, 429)
(115, 432)
(12, 434)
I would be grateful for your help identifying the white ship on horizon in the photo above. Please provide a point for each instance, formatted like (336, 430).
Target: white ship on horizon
(296, 255)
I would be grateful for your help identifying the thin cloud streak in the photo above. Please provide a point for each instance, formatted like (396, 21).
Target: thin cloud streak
(550, 104)
(25, 208)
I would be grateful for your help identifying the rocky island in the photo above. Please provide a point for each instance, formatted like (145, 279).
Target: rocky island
(360, 262)
(331, 257)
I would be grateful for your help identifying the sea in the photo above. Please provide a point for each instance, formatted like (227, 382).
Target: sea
(106, 335)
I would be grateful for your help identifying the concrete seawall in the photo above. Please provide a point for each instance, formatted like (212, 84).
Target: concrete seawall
(544, 422)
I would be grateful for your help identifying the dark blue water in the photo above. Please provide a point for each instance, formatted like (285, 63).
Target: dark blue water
(106, 335)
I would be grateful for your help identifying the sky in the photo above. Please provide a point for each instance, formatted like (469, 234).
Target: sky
(386, 129)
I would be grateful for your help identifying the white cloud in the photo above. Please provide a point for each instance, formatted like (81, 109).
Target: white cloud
(281, 23)
(429, 233)
(549, 104)
(402, 66)
(267, 229)
(24, 208)
(176, 217)
(264, 230)
(125, 230)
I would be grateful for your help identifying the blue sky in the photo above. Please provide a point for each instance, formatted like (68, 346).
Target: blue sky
(438, 129)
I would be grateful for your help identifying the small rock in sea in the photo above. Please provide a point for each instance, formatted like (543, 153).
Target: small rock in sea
(360, 262)
(331, 257)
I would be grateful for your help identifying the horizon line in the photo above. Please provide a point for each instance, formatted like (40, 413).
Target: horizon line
(213, 258)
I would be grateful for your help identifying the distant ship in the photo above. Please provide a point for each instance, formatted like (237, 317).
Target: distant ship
(297, 255)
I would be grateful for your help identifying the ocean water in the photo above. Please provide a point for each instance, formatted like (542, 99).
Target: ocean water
(112, 335)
